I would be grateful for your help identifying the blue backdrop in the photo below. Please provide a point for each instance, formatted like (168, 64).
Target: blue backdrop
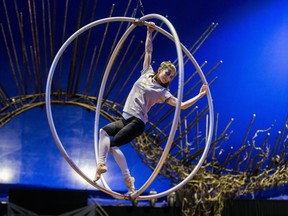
(252, 42)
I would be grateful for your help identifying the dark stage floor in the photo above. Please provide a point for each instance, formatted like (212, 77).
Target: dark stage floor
(47, 201)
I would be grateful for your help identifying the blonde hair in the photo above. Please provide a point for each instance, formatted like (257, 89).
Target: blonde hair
(168, 65)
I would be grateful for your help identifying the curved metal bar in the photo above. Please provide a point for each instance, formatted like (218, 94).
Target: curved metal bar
(48, 99)
(177, 112)
(101, 92)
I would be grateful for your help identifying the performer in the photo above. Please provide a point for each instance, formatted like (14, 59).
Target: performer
(149, 89)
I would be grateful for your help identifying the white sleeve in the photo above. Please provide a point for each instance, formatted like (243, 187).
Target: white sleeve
(165, 96)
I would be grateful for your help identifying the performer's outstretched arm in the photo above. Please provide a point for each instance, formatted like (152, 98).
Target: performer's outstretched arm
(148, 46)
(184, 105)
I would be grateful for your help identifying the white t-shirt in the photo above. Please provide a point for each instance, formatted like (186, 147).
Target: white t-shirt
(145, 92)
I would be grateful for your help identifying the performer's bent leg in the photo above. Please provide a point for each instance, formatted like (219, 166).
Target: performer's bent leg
(133, 128)
(104, 145)
(121, 161)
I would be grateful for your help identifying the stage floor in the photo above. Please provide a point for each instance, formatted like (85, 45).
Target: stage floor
(42, 200)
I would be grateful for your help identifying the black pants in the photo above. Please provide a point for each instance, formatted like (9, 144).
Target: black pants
(124, 131)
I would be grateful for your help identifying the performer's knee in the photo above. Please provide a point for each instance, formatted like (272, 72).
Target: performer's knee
(103, 133)
(113, 149)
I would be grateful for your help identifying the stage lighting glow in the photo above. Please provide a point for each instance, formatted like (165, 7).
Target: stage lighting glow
(88, 169)
(6, 175)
